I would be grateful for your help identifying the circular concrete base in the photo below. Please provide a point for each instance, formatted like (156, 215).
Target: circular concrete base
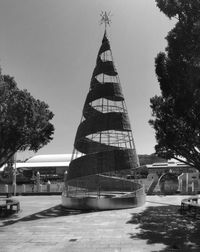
(103, 203)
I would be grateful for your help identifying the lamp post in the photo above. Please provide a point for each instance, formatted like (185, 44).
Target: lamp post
(14, 174)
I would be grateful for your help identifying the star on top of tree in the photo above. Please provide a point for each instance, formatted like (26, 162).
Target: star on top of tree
(105, 18)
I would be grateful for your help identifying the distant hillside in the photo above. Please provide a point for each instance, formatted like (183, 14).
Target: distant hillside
(150, 159)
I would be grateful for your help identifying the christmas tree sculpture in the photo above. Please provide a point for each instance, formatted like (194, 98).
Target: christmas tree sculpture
(104, 151)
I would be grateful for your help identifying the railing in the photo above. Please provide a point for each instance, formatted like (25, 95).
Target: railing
(31, 188)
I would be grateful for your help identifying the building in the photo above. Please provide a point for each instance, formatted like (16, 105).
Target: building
(50, 167)
(172, 166)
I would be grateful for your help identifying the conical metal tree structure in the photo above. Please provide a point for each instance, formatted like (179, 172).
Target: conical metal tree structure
(104, 148)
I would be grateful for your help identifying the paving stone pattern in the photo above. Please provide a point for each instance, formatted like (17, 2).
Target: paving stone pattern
(43, 225)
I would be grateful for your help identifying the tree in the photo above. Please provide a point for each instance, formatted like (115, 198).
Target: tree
(24, 120)
(176, 112)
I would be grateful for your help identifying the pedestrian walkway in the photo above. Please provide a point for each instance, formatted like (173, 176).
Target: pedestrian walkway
(43, 225)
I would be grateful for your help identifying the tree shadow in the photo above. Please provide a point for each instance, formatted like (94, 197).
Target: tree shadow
(53, 212)
(167, 225)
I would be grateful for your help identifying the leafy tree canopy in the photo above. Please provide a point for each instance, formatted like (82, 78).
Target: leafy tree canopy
(176, 112)
(24, 120)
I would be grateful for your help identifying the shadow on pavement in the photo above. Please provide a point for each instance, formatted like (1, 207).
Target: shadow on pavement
(166, 225)
(52, 212)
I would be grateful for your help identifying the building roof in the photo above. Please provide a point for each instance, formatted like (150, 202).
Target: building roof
(168, 165)
(44, 161)
(50, 158)
(41, 164)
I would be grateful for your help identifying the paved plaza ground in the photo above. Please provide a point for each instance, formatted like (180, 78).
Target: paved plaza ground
(43, 225)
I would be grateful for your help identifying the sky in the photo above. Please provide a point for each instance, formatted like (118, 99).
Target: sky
(50, 48)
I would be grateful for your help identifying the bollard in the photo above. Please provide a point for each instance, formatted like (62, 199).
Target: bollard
(65, 187)
(14, 186)
(6, 189)
(192, 187)
(48, 186)
(38, 181)
(65, 176)
(40, 188)
(23, 188)
(59, 187)
(32, 188)
(180, 185)
(187, 186)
